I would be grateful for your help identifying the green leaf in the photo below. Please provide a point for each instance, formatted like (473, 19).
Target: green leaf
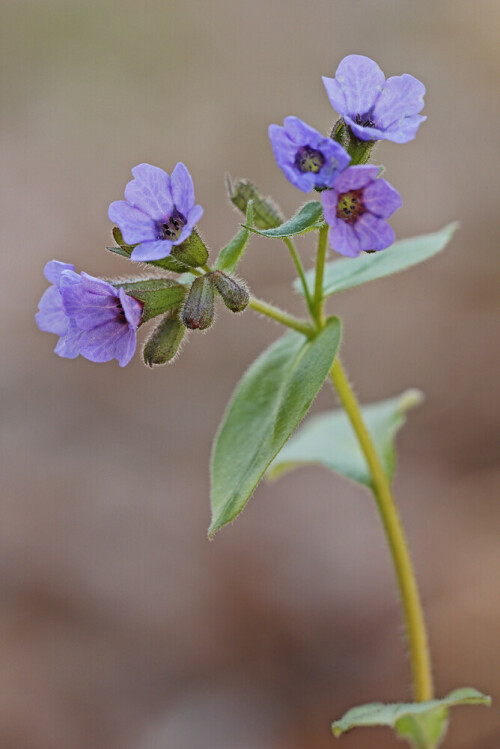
(423, 724)
(309, 217)
(230, 256)
(329, 440)
(347, 273)
(269, 403)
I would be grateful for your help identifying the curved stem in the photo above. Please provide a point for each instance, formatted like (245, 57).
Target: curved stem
(317, 311)
(301, 326)
(415, 624)
(300, 270)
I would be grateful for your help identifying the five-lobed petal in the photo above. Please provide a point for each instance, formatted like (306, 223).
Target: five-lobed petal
(307, 158)
(90, 316)
(159, 211)
(356, 208)
(373, 107)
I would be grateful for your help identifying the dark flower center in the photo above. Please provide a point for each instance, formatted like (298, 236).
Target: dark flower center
(350, 206)
(365, 120)
(308, 159)
(172, 227)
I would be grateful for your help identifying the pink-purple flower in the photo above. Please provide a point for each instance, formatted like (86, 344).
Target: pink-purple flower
(158, 212)
(308, 159)
(356, 208)
(90, 316)
(373, 107)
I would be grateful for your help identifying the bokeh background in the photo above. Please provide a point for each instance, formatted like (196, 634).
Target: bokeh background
(121, 626)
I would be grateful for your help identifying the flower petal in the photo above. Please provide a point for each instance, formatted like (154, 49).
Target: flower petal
(194, 216)
(87, 309)
(373, 233)
(152, 250)
(53, 270)
(403, 133)
(182, 189)
(335, 94)
(136, 226)
(365, 133)
(99, 344)
(361, 81)
(330, 198)
(402, 96)
(150, 190)
(51, 317)
(343, 239)
(132, 309)
(125, 347)
(355, 177)
(381, 198)
(68, 345)
(301, 133)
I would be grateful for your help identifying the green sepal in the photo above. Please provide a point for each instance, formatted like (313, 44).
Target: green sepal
(347, 273)
(328, 439)
(308, 218)
(267, 406)
(158, 295)
(199, 306)
(422, 724)
(170, 263)
(234, 293)
(266, 212)
(163, 344)
(193, 252)
(230, 256)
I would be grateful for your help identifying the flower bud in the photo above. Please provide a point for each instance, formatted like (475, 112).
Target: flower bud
(266, 213)
(234, 293)
(192, 252)
(163, 344)
(359, 150)
(198, 309)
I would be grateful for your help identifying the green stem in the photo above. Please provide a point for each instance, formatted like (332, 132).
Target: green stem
(415, 624)
(301, 326)
(300, 270)
(317, 311)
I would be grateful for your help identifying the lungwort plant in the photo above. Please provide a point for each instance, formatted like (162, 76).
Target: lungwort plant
(260, 432)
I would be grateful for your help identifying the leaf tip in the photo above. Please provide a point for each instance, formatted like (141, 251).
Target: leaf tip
(411, 399)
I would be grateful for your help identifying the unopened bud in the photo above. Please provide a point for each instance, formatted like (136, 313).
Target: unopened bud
(359, 150)
(192, 252)
(266, 213)
(198, 309)
(234, 293)
(163, 344)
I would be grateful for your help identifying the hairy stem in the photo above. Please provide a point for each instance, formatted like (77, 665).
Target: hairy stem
(301, 326)
(317, 311)
(300, 270)
(412, 607)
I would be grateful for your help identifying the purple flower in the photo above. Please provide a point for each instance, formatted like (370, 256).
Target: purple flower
(158, 211)
(356, 208)
(91, 317)
(373, 107)
(307, 158)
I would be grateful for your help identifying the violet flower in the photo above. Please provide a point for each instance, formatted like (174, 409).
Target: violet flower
(373, 107)
(91, 316)
(158, 212)
(355, 209)
(307, 158)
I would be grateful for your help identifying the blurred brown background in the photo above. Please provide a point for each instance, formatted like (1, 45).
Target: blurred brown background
(121, 626)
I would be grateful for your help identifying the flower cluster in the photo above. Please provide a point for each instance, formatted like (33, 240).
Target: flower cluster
(355, 202)
(156, 224)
